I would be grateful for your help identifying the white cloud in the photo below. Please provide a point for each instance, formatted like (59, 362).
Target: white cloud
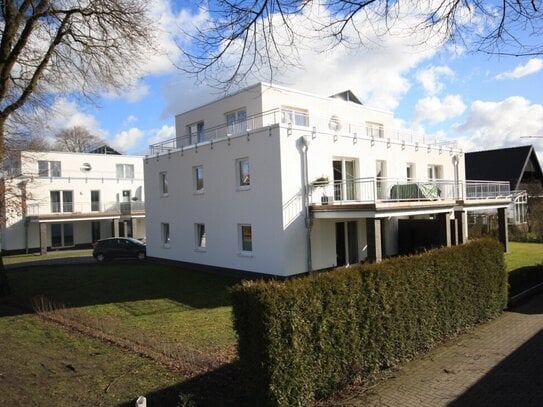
(435, 110)
(534, 65)
(503, 124)
(164, 133)
(65, 113)
(429, 78)
(125, 140)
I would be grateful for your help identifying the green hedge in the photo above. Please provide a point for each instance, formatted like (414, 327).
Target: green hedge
(305, 338)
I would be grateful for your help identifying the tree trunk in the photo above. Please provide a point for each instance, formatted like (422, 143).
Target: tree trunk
(5, 288)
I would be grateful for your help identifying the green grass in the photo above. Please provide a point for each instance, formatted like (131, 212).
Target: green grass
(164, 303)
(60, 254)
(43, 364)
(523, 254)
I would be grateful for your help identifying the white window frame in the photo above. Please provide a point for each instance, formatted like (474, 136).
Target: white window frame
(165, 235)
(375, 130)
(410, 171)
(122, 171)
(434, 172)
(242, 183)
(196, 132)
(243, 250)
(62, 202)
(200, 236)
(236, 121)
(163, 182)
(294, 116)
(51, 170)
(195, 171)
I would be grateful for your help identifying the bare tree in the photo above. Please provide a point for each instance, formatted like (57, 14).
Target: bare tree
(76, 139)
(248, 36)
(52, 47)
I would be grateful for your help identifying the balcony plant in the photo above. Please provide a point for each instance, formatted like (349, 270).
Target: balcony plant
(321, 181)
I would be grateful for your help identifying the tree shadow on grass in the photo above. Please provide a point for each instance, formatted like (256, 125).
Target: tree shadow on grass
(219, 387)
(121, 282)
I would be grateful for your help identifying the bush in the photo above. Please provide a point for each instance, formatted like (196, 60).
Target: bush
(305, 338)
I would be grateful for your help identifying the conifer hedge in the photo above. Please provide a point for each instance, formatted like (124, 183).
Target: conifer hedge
(305, 338)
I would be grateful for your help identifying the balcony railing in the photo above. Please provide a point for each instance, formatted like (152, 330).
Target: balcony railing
(327, 125)
(373, 190)
(85, 208)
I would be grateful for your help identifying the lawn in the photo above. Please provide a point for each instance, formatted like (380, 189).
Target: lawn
(60, 254)
(523, 254)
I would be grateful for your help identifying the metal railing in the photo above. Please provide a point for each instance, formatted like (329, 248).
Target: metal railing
(327, 125)
(57, 208)
(373, 190)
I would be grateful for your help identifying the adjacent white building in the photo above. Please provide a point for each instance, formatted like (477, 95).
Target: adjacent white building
(58, 200)
(277, 181)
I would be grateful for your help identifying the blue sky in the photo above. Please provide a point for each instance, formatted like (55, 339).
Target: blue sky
(482, 101)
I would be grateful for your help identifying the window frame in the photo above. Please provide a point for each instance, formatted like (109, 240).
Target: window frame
(63, 204)
(197, 136)
(125, 174)
(243, 250)
(165, 235)
(241, 184)
(53, 170)
(200, 236)
(375, 130)
(292, 115)
(195, 170)
(163, 183)
(410, 168)
(436, 172)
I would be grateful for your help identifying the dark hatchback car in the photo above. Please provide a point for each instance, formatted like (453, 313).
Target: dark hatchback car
(119, 247)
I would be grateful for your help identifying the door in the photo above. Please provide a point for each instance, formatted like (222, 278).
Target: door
(95, 231)
(380, 179)
(95, 201)
(340, 244)
(346, 243)
(344, 180)
(125, 203)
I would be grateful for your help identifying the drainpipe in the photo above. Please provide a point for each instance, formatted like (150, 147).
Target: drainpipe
(456, 177)
(304, 140)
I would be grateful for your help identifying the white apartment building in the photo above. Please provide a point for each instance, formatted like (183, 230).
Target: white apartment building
(59, 200)
(277, 181)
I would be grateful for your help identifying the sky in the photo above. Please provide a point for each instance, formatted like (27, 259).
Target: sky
(444, 90)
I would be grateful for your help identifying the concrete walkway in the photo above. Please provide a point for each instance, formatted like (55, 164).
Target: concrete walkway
(497, 364)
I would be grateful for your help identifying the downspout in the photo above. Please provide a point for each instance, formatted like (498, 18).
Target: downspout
(305, 191)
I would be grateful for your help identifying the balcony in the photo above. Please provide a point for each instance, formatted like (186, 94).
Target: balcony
(394, 190)
(331, 126)
(71, 210)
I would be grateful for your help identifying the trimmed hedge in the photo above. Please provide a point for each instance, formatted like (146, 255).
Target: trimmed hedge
(305, 338)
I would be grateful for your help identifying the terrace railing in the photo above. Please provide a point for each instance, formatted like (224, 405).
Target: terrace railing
(87, 208)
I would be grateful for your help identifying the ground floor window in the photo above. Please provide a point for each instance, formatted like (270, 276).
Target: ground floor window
(165, 231)
(62, 234)
(246, 238)
(201, 239)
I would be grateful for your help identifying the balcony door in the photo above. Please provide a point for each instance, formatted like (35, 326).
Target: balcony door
(346, 243)
(95, 201)
(380, 179)
(344, 179)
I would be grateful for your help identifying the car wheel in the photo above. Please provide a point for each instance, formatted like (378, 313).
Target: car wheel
(100, 258)
(141, 256)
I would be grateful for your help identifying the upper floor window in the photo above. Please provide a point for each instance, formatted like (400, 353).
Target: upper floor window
(49, 168)
(435, 172)
(410, 171)
(163, 180)
(375, 130)
(195, 132)
(237, 121)
(243, 173)
(297, 117)
(62, 201)
(198, 178)
(125, 170)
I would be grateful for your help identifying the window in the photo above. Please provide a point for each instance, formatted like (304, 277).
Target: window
(61, 201)
(125, 171)
(297, 117)
(245, 238)
(195, 132)
(380, 179)
(198, 178)
(410, 171)
(95, 201)
(435, 172)
(237, 121)
(163, 179)
(165, 231)
(62, 234)
(49, 168)
(243, 173)
(375, 130)
(200, 230)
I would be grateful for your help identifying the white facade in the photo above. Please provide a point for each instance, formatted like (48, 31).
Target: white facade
(268, 157)
(64, 200)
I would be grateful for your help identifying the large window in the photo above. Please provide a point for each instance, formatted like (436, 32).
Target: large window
(61, 201)
(49, 168)
(165, 232)
(198, 173)
(95, 201)
(243, 172)
(236, 121)
(380, 179)
(297, 117)
(62, 235)
(245, 239)
(125, 171)
(435, 172)
(195, 132)
(163, 180)
(410, 171)
(201, 240)
(375, 130)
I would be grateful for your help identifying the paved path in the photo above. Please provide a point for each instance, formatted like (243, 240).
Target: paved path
(497, 364)
(51, 262)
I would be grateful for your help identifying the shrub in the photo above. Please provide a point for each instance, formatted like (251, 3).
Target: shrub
(305, 338)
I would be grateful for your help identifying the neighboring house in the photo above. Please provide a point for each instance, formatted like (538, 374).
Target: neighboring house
(277, 181)
(68, 200)
(517, 165)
